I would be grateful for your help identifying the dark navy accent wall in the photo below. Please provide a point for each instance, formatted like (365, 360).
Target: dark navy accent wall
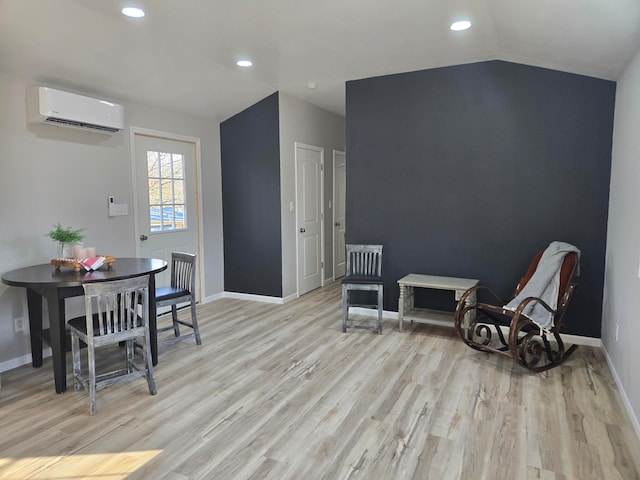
(470, 170)
(250, 154)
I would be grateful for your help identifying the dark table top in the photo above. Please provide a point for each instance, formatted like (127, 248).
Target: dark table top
(45, 275)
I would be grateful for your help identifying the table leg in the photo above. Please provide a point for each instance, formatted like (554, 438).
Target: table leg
(57, 332)
(153, 320)
(34, 307)
(401, 308)
(411, 298)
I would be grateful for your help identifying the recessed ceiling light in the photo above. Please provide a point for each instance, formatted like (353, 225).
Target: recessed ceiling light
(312, 85)
(244, 63)
(460, 25)
(133, 12)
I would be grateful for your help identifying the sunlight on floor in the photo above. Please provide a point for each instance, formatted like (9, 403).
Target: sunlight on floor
(106, 466)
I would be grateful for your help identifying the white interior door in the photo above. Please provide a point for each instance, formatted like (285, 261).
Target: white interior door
(339, 196)
(167, 217)
(309, 200)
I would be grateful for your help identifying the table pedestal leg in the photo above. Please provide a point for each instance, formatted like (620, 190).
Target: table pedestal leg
(34, 307)
(57, 332)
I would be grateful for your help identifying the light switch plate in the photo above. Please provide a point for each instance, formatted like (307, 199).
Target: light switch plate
(118, 209)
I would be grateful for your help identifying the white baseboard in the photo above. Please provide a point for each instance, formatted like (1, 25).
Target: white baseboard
(20, 361)
(371, 312)
(623, 393)
(580, 340)
(290, 298)
(253, 298)
(213, 298)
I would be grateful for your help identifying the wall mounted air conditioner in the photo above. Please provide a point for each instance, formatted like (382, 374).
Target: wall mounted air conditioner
(55, 107)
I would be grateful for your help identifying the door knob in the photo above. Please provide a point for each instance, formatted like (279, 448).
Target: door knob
(143, 237)
(302, 230)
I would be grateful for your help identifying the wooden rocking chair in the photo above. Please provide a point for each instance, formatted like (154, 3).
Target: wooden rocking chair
(517, 334)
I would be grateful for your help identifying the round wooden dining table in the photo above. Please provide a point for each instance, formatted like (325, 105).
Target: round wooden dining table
(45, 282)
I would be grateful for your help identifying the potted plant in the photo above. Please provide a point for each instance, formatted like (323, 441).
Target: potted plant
(66, 238)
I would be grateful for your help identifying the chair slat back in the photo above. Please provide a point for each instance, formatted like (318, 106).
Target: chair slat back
(182, 270)
(116, 307)
(364, 260)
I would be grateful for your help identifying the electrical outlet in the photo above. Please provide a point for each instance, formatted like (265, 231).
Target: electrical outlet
(18, 324)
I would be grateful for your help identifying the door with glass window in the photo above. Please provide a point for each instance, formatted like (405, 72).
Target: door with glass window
(166, 210)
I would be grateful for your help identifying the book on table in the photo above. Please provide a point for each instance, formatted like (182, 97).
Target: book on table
(92, 263)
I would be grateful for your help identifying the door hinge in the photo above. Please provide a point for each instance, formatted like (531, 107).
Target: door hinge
(321, 264)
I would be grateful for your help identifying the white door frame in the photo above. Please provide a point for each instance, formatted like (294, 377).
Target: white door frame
(199, 217)
(335, 261)
(322, 259)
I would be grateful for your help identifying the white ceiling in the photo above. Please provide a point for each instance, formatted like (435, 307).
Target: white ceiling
(181, 56)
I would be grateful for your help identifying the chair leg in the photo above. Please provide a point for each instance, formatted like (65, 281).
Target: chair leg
(345, 308)
(92, 379)
(131, 350)
(174, 318)
(194, 322)
(151, 380)
(77, 366)
(380, 305)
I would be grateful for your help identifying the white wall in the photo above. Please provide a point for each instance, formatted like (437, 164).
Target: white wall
(302, 122)
(622, 285)
(54, 174)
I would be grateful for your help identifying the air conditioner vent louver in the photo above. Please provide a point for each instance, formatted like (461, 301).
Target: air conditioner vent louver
(47, 105)
(72, 123)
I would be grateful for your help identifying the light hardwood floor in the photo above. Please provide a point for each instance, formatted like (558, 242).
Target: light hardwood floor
(279, 392)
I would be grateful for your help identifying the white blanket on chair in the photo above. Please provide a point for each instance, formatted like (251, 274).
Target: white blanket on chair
(544, 284)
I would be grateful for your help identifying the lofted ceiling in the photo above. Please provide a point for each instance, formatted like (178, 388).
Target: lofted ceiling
(181, 56)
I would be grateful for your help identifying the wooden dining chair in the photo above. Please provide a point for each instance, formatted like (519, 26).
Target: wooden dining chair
(115, 312)
(363, 273)
(181, 290)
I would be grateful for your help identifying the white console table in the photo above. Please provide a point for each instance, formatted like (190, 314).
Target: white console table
(406, 306)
